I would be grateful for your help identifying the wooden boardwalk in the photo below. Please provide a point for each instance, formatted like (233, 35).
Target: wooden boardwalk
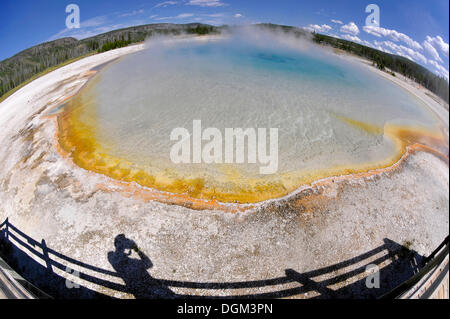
(11, 284)
(429, 282)
(433, 286)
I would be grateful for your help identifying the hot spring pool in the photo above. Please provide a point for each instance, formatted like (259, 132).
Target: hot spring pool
(333, 116)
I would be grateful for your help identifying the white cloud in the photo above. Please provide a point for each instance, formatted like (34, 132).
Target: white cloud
(180, 16)
(165, 4)
(58, 35)
(335, 35)
(432, 46)
(403, 51)
(214, 15)
(379, 47)
(184, 15)
(206, 3)
(432, 51)
(93, 22)
(213, 18)
(82, 32)
(318, 28)
(442, 71)
(238, 15)
(106, 28)
(438, 43)
(354, 38)
(393, 35)
(337, 21)
(350, 28)
(132, 13)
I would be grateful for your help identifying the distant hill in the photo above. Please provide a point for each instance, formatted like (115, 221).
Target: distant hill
(26, 64)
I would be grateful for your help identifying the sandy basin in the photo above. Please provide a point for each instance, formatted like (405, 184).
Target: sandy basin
(280, 247)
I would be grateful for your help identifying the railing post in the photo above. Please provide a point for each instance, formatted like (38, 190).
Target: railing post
(46, 256)
(7, 229)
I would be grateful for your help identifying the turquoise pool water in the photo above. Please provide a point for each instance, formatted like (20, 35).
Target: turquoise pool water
(302, 90)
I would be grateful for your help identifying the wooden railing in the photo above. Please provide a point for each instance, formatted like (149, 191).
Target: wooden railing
(55, 284)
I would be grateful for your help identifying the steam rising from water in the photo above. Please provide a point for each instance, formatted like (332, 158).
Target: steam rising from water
(247, 80)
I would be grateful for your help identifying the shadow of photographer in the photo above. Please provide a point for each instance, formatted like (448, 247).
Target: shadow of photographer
(134, 271)
(345, 279)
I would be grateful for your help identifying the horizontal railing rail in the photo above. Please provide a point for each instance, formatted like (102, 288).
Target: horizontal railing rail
(46, 255)
(432, 261)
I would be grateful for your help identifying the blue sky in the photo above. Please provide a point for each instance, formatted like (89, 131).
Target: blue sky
(416, 29)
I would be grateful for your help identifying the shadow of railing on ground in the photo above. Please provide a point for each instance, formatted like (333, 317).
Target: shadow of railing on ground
(49, 270)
